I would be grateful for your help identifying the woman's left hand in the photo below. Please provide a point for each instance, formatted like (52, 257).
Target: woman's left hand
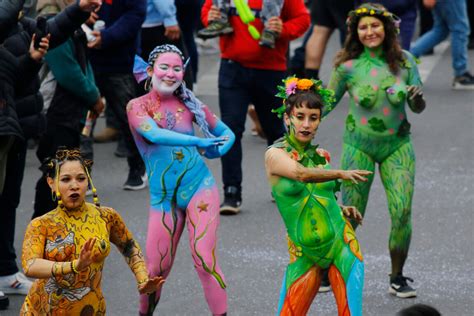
(352, 213)
(151, 285)
(415, 99)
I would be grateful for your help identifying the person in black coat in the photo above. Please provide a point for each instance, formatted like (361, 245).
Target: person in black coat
(22, 116)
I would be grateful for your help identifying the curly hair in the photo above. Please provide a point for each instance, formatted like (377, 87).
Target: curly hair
(353, 47)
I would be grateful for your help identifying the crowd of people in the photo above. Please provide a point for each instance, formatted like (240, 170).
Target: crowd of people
(65, 62)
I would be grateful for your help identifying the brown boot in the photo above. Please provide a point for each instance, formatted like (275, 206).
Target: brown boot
(108, 134)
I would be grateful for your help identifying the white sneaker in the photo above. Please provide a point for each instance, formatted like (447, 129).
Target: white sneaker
(16, 283)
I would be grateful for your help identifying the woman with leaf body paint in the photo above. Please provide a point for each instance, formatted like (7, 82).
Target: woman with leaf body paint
(319, 236)
(380, 79)
(182, 189)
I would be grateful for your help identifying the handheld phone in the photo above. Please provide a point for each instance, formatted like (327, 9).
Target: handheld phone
(41, 30)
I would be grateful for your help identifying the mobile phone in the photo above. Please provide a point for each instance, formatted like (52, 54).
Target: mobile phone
(41, 30)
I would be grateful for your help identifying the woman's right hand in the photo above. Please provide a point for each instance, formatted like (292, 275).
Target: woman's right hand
(355, 175)
(204, 143)
(86, 257)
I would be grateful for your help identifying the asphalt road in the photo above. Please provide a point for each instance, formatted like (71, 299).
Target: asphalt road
(252, 246)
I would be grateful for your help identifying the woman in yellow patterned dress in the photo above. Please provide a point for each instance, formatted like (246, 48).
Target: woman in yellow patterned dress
(65, 249)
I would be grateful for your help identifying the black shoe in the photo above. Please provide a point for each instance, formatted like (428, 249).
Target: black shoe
(268, 39)
(232, 201)
(4, 301)
(136, 180)
(121, 151)
(400, 288)
(215, 28)
(464, 82)
(325, 285)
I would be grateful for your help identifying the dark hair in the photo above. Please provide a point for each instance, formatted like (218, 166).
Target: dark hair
(304, 98)
(391, 46)
(52, 165)
(419, 310)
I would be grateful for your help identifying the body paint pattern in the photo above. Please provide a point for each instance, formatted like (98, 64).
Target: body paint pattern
(319, 238)
(377, 132)
(59, 236)
(182, 190)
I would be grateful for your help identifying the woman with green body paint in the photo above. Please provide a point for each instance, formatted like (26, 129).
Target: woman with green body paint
(380, 79)
(303, 185)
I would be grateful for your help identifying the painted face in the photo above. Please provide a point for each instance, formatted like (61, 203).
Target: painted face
(73, 184)
(168, 73)
(303, 123)
(371, 31)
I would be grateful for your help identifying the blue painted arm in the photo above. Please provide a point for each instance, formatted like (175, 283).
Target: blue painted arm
(220, 130)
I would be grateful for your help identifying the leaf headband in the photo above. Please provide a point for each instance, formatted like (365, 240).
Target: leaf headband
(292, 85)
(370, 10)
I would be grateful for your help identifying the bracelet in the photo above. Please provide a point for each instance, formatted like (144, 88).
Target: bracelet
(142, 281)
(52, 270)
(74, 268)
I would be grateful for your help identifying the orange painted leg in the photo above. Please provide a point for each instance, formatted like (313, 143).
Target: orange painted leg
(339, 288)
(301, 293)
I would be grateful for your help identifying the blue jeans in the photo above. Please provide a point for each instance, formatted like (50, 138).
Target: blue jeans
(240, 86)
(450, 17)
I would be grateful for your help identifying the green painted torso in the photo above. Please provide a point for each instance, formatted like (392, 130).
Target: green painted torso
(377, 96)
(309, 210)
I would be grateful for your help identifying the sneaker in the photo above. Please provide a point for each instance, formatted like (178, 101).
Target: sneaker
(215, 28)
(464, 82)
(16, 283)
(268, 39)
(108, 134)
(4, 301)
(400, 288)
(232, 201)
(136, 180)
(325, 286)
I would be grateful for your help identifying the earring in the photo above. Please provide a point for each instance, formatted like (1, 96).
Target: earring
(60, 202)
(148, 84)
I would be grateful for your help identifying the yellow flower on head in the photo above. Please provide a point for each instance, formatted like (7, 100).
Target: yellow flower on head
(291, 80)
(364, 10)
(385, 13)
(304, 84)
(358, 11)
(372, 12)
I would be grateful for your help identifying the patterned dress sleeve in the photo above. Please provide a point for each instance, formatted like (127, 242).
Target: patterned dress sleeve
(121, 237)
(33, 244)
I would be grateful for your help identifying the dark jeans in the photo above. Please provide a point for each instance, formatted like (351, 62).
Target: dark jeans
(9, 200)
(187, 13)
(118, 90)
(56, 136)
(238, 87)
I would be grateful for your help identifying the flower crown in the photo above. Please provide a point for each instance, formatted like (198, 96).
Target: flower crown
(293, 84)
(370, 10)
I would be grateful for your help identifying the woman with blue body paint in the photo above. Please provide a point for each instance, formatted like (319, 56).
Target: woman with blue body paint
(182, 188)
